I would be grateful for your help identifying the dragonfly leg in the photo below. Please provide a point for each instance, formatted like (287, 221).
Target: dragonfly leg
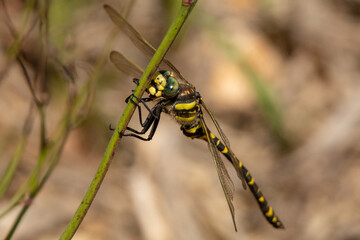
(143, 101)
(111, 128)
(152, 121)
(129, 98)
(136, 81)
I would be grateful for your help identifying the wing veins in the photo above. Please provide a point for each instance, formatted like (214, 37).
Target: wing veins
(137, 39)
(225, 180)
(125, 65)
(235, 161)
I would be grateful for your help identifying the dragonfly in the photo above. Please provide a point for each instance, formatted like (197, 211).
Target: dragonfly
(174, 95)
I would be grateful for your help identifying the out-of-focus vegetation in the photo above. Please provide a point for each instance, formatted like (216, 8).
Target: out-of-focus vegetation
(278, 75)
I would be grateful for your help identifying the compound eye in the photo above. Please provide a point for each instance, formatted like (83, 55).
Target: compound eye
(171, 88)
(165, 73)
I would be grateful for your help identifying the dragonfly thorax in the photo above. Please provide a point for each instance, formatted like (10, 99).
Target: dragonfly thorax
(164, 84)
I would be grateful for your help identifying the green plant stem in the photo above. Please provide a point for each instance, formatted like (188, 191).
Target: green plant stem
(63, 133)
(12, 166)
(49, 153)
(128, 112)
(9, 173)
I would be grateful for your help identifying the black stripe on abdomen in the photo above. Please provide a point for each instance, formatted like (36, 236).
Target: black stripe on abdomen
(254, 188)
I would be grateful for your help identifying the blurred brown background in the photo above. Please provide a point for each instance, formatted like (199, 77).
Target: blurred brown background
(286, 93)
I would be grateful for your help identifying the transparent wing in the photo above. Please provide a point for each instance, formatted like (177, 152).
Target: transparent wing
(235, 161)
(125, 65)
(139, 41)
(218, 128)
(224, 177)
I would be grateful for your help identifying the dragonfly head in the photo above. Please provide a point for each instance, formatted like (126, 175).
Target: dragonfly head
(164, 84)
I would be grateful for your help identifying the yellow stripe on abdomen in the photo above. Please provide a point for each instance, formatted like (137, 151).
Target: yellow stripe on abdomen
(251, 182)
(185, 106)
(185, 119)
(194, 129)
(225, 151)
(270, 212)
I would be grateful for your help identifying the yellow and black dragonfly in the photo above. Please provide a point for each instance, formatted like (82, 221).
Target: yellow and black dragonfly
(174, 95)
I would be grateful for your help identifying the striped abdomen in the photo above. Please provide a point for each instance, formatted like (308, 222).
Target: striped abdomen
(186, 112)
(186, 109)
(197, 132)
(264, 206)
